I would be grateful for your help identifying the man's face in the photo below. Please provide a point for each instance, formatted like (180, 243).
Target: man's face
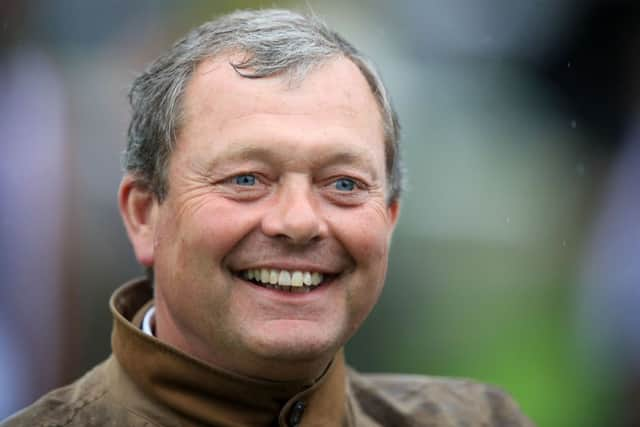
(272, 181)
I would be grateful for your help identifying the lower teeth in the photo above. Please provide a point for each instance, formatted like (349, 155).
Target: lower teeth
(293, 289)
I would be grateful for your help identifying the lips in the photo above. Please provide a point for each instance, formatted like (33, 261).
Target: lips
(285, 280)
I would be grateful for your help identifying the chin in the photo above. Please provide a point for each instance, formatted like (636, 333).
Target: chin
(296, 345)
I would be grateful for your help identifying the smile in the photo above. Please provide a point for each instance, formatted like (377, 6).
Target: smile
(285, 280)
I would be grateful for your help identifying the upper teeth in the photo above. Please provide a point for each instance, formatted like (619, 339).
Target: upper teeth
(283, 277)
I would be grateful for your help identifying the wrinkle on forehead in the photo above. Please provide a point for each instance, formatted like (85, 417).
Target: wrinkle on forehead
(216, 87)
(332, 112)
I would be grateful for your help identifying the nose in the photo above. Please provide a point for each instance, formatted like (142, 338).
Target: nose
(294, 215)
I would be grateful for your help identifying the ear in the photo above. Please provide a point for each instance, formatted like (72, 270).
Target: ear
(138, 207)
(394, 213)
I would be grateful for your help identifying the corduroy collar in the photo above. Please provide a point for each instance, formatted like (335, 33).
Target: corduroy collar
(203, 394)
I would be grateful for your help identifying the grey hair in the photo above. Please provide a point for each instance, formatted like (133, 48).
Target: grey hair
(274, 41)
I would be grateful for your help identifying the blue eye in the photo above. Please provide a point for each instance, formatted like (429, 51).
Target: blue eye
(245, 180)
(345, 184)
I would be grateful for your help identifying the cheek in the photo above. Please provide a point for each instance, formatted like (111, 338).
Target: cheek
(215, 227)
(365, 236)
(191, 246)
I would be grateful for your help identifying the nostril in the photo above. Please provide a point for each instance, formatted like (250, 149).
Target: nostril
(294, 230)
(294, 216)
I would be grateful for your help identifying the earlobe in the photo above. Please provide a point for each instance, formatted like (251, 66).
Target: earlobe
(394, 212)
(138, 209)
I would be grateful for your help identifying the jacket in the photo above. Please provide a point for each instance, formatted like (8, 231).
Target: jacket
(148, 383)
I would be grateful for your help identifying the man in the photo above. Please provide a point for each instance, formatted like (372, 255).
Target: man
(261, 190)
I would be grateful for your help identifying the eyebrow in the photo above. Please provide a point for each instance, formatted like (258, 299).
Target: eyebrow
(344, 155)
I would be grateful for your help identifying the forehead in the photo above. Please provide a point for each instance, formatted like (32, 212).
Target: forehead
(217, 90)
(332, 108)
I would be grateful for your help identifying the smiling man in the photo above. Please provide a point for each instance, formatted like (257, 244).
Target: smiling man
(261, 191)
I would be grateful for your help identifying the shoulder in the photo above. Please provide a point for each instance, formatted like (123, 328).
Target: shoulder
(420, 400)
(86, 402)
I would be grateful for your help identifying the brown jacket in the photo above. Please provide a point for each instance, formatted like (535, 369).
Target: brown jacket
(147, 383)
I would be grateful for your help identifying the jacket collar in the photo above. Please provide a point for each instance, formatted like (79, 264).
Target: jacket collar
(208, 395)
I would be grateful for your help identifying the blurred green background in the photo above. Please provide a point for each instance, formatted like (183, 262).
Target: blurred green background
(514, 118)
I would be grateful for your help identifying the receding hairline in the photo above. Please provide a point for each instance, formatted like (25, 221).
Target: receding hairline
(227, 60)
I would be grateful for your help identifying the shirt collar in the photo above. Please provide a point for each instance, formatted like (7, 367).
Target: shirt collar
(148, 321)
